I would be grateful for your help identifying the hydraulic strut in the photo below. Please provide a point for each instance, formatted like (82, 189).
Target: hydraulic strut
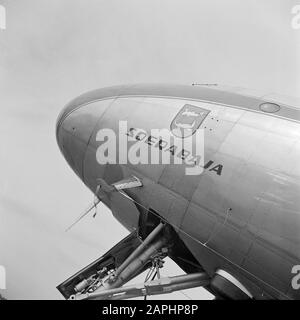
(154, 287)
(140, 249)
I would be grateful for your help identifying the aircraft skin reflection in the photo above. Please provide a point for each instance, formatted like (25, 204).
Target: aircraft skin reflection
(246, 219)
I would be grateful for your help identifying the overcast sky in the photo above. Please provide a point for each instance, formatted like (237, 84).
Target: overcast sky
(54, 50)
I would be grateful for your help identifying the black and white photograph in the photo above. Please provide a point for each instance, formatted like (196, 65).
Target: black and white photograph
(150, 150)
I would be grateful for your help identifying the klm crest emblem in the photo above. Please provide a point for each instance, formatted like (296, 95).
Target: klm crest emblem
(188, 120)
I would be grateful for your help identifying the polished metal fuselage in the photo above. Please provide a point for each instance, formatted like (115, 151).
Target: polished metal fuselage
(241, 214)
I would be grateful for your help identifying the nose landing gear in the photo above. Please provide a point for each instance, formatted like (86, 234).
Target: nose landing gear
(104, 279)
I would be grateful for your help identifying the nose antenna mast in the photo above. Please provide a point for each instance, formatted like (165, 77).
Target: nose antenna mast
(104, 188)
(90, 208)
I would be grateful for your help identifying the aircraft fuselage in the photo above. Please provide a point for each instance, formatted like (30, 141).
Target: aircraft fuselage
(241, 213)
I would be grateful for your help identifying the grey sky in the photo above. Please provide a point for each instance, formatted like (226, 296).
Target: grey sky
(55, 50)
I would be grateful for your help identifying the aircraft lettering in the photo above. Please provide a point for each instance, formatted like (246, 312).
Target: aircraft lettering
(218, 169)
(167, 147)
(208, 164)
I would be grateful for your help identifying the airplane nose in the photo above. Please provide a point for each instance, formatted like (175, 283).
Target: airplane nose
(77, 121)
(74, 127)
(72, 134)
